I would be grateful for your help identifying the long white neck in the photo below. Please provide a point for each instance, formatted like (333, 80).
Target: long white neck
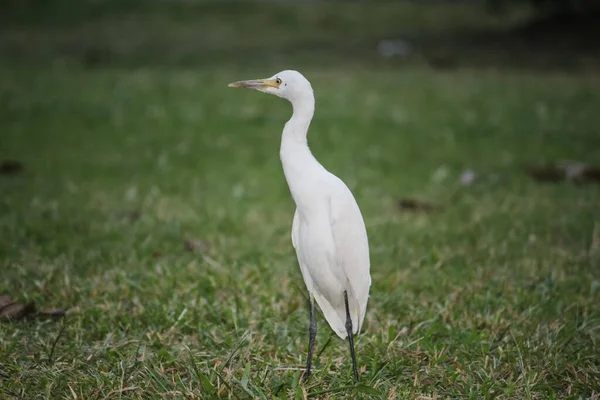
(300, 167)
(297, 127)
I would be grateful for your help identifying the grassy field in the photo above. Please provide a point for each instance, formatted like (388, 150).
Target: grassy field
(495, 295)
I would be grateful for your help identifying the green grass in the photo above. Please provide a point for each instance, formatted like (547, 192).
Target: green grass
(495, 296)
(208, 33)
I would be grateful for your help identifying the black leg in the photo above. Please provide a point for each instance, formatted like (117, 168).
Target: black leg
(312, 333)
(350, 337)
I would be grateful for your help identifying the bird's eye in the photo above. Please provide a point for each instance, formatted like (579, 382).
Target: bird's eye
(278, 81)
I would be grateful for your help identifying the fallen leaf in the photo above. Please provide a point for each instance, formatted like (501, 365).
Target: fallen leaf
(11, 310)
(547, 173)
(4, 301)
(157, 254)
(569, 172)
(52, 312)
(591, 173)
(415, 205)
(14, 311)
(192, 244)
(10, 167)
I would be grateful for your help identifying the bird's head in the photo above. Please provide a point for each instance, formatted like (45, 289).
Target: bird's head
(289, 84)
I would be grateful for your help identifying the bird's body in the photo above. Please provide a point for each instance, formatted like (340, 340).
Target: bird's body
(328, 231)
(329, 236)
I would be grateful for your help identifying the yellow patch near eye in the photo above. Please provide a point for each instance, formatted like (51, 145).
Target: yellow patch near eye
(274, 83)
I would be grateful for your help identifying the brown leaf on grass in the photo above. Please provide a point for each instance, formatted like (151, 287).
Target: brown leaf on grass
(4, 301)
(14, 311)
(548, 173)
(591, 173)
(198, 246)
(10, 167)
(192, 244)
(52, 312)
(11, 310)
(416, 205)
(570, 172)
(157, 254)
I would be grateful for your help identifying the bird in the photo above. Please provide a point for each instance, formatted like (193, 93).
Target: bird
(328, 231)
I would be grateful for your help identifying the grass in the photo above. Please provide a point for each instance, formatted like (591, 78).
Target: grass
(203, 33)
(495, 296)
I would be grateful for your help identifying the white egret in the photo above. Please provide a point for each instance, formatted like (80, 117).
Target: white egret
(328, 231)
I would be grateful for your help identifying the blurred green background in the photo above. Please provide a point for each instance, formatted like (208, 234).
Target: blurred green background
(545, 34)
(146, 199)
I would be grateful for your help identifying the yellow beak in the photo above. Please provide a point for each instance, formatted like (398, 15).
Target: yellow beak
(259, 84)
